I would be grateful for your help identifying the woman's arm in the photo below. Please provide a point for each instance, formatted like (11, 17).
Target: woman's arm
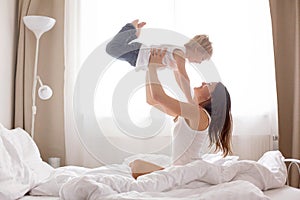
(169, 105)
(150, 99)
(181, 75)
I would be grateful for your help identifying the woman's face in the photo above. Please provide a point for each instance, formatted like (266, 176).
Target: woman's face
(203, 92)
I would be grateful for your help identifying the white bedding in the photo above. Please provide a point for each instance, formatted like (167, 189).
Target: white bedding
(39, 198)
(22, 170)
(199, 179)
(284, 192)
(21, 167)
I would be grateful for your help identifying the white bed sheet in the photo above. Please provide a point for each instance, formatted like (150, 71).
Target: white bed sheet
(284, 193)
(38, 198)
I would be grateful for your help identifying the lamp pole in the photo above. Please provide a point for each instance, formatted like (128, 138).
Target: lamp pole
(34, 109)
(38, 25)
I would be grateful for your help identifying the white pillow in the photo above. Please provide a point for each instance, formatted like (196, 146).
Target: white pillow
(20, 140)
(16, 179)
(21, 167)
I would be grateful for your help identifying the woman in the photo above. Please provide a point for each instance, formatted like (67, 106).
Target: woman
(208, 117)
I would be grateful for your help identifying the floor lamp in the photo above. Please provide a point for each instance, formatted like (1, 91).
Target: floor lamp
(38, 25)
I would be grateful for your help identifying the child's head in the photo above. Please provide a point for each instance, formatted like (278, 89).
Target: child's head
(198, 49)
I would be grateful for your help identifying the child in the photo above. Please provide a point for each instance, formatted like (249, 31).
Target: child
(196, 50)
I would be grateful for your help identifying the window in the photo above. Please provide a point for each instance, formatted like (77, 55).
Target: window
(241, 34)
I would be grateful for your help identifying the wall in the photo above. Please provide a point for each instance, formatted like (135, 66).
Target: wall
(8, 35)
(49, 127)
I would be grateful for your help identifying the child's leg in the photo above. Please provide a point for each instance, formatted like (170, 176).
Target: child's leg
(120, 46)
(140, 167)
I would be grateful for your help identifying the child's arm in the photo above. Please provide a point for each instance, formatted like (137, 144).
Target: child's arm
(181, 76)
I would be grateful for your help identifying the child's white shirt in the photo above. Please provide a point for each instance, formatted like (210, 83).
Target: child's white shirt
(168, 60)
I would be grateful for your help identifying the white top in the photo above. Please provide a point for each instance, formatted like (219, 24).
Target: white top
(188, 144)
(168, 60)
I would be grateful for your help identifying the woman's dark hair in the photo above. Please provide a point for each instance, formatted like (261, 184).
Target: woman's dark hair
(220, 128)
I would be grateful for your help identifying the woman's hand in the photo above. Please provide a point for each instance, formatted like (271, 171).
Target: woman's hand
(156, 57)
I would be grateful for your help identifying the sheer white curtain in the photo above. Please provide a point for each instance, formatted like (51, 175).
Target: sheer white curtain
(76, 154)
(243, 55)
(72, 64)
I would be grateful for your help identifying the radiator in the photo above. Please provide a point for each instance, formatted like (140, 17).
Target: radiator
(251, 147)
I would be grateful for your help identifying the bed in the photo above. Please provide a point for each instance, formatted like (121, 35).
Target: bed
(284, 192)
(23, 175)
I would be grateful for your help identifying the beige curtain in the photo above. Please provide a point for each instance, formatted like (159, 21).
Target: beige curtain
(286, 35)
(49, 124)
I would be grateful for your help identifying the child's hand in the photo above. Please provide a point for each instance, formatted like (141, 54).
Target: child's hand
(138, 26)
(156, 57)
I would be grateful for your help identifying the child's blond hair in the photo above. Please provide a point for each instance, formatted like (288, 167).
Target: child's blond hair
(201, 43)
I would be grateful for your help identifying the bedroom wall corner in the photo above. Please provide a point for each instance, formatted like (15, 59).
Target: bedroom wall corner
(8, 40)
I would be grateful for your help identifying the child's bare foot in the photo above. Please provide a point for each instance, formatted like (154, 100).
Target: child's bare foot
(138, 26)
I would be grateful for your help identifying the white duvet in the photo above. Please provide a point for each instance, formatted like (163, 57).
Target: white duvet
(197, 180)
(23, 171)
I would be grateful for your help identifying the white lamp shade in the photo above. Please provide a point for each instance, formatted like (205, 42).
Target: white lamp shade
(38, 24)
(45, 92)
